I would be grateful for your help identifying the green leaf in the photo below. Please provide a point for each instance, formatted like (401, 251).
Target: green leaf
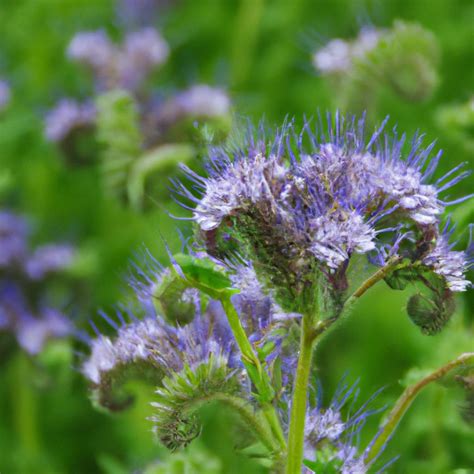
(205, 275)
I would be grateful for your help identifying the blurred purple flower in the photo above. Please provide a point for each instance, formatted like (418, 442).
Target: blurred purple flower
(24, 308)
(5, 94)
(318, 196)
(49, 259)
(67, 116)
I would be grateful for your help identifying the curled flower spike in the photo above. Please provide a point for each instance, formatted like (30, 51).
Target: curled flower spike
(179, 338)
(304, 203)
(404, 58)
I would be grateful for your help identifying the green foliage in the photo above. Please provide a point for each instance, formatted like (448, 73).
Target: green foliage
(193, 460)
(457, 121)
(265, 61)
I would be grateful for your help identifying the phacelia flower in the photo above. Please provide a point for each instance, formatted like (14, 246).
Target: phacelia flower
(172, 328)
(404, 58)
(4, 94)
(142, 52)
(25, 306)
(67, 117)
(198, 101)
(449, 264)
(119, 66)
(92, 49)
(307, 202)
(338, 55)
(140, 12)
(332, 432)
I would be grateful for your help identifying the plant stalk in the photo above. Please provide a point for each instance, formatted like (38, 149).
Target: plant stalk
(300, 396)
(406, 400)
(257, 374)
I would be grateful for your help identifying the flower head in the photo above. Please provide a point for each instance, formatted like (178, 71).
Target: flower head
(141, 52)
(303, 204)
(93, 49)
(67, 117)
(4, 94)
(25, 306)
(331, 432)
(338, 55)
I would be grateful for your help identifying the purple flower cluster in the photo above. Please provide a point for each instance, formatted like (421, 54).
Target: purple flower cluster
(67, 117)
(307, 201)
(333, 431)
(126, 66)
(24, 307)
(338, 56)
(169, 345)
(4, 94)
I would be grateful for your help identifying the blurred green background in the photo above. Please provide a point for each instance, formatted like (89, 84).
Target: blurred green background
(260, 51)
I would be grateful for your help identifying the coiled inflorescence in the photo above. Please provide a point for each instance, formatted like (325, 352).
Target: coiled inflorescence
(304, 204)
(182, 342)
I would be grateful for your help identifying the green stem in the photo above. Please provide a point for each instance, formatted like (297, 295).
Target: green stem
(151, 162)
(248, 22)
(406, 400)
(255, 371)
(300, 395)
(25, 406)
(249, 417)
(392, 264)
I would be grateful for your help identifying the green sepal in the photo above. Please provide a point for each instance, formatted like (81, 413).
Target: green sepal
(326, 461)
(264, 351)
(262, 382)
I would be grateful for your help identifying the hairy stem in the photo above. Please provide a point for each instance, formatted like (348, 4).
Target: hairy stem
(256, 372)
(380, 274)
(300, 395)
(24, 405)
(249, 417)
(406, 400)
